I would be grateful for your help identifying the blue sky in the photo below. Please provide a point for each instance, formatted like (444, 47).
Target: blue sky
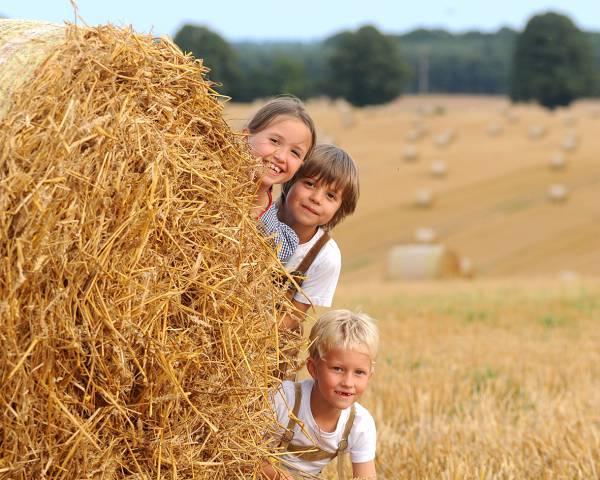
(306, 19)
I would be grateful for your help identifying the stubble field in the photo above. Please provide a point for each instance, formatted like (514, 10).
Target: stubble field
(497, 376)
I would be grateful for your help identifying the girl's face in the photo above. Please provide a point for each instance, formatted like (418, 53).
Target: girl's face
(282, 146)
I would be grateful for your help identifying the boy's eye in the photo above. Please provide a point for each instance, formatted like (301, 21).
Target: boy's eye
(361, 372)
(337, 369)
(309, 183)
(332, 195)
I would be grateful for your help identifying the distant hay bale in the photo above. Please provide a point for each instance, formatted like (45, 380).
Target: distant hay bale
(569, 119)
(410, 153)
(425, 235)
(511, 116)
(558, 193)
(558, 161)
(136, 293)
(346, 113)
(467, 268)
(494, 129)
(416, 133)
(423, 198)
(445, 138)
(422, 262)
(438, 169)
(536, 132)
(570, 142)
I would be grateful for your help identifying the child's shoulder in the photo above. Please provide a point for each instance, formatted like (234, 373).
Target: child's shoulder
(364, 423)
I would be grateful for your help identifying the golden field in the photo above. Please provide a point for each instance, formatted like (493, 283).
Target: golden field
(497, 376)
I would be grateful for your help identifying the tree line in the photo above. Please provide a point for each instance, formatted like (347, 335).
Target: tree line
(551, 61)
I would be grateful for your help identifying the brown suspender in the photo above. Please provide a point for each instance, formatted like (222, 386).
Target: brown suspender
(299, 274)
(314, 453)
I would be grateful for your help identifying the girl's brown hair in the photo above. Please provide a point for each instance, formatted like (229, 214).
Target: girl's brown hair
(287, 105)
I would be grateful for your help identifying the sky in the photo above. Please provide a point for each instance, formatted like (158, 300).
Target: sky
(304, 20)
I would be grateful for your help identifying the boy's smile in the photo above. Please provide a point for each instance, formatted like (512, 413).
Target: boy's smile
(310, 204)
(340, 379)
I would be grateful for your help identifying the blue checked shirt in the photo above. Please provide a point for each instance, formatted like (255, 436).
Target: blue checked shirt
(283, 235)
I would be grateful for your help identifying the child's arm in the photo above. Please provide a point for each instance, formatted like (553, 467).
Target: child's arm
(364, 471)
(284, 236)
(292, 321)
(270, 473)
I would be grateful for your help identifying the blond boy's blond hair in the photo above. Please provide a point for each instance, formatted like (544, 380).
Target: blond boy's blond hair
(346, 330)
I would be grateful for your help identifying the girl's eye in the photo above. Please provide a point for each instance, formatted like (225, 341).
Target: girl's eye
(297, 154)
(274, 140)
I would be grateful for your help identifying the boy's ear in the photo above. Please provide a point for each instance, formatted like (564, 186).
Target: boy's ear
(311, 367)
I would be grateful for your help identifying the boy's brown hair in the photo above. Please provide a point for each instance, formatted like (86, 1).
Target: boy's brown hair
(333, 166)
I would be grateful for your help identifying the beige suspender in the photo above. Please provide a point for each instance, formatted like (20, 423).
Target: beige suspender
(314, 453)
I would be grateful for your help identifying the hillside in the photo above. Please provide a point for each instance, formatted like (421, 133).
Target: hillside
(492, 207)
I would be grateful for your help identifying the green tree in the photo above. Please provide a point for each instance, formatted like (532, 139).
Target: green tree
(216, 54)
(552, 62)
(366, 67)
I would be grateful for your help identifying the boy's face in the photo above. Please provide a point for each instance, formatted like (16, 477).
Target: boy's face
(340, 378)
(311, 204)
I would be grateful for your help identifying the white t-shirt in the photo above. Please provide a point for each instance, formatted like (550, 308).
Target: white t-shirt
(322, 276)
(361, 441)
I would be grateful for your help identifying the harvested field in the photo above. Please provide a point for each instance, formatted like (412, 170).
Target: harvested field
(493, 380)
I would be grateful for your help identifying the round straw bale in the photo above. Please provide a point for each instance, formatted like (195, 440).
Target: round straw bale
(494, 129)
(445, 138)
(558, 161)
(558, 193)
(569, 119)
(410, 153)
(422, 262)
(423, 198)
(536, 132)
(136, 293)
(438, 169)
(510, 115)
(425, 235)
(570, 142)
(467, 269)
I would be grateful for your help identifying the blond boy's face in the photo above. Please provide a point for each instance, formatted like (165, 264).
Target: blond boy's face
(340, 378)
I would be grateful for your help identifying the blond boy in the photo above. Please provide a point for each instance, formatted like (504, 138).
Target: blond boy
(320, 417)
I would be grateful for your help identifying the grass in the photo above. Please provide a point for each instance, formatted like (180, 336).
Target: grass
(496, 381)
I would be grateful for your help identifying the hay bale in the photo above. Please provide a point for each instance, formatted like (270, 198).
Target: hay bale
(494, 129)
(445, 138)
(558, 161)
(422, 262)
(136, 293)
(425, 235)
(467, 268)
(423, 198)
(570, 142)
(536, 132)
(438, 169)
(410, 153)
(558, 193)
